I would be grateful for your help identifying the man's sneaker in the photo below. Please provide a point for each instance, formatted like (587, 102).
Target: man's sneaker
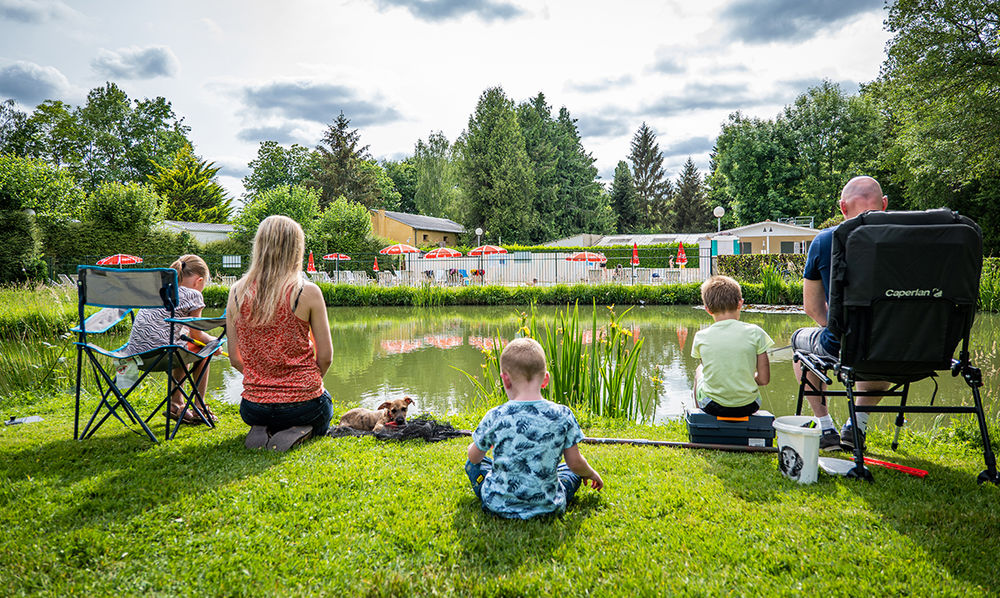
(847, 440)
(830, 440)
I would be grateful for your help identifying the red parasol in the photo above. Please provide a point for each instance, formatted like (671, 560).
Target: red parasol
(375, 267)
(682, 258)
(442, 252)
(119, 259)
(487, 250)
(635, 254)
(340, 257)
(587, 256)
(311, 268)
(398, 248)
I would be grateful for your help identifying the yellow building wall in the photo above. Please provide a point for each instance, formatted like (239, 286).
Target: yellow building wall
(760, 244)
(436, 238)
(397, 232)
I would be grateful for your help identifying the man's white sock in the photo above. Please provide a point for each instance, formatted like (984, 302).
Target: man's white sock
(862, 420)
(826, 423)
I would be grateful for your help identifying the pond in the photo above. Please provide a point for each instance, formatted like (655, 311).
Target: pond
(387, 353)
(383, 353)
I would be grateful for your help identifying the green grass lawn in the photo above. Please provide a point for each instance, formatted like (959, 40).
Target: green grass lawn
(201, 515)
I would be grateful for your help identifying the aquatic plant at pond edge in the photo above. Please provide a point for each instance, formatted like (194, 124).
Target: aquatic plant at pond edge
(774, 284)
(599, 376)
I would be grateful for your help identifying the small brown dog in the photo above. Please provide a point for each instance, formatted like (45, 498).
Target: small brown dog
(392, 413)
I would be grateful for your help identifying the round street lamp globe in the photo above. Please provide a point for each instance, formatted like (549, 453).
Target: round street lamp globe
(719, 212)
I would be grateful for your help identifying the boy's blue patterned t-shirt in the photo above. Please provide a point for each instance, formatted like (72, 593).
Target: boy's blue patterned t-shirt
(528, 440)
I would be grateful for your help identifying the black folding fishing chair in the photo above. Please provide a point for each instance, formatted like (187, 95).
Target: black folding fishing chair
(118, 292)
(904, 287)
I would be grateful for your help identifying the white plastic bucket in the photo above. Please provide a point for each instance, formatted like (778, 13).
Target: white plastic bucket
(798, 447)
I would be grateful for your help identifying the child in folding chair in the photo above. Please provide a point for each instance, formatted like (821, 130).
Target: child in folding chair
(150, 330)
(279, 338)
(733, 354)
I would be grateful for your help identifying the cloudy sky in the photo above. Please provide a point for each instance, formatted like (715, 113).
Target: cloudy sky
(240, 72)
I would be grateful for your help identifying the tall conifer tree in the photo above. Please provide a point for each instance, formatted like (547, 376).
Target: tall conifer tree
(338, 171)
(624, 199)
(690, 212)
(651, 184)
(496, 172)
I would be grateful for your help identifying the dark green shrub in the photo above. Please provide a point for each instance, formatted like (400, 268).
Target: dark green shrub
(19, 248)
(748, 268)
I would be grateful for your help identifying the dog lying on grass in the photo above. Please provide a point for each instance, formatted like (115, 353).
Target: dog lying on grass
(390, 413)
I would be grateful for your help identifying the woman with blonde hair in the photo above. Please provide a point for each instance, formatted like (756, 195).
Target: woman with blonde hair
(279, 338)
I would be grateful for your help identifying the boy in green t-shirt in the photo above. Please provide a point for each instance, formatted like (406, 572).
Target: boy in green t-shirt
(733, 354)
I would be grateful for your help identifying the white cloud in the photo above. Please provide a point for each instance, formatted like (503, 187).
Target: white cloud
(136, 63)
(35, 12)
(30, 83)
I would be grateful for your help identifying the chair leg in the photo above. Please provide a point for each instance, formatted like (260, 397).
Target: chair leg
(900, 419)
(973, 377)
(860, 471)
(76, 415)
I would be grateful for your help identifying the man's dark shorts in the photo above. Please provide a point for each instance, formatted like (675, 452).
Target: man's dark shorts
(807, 340)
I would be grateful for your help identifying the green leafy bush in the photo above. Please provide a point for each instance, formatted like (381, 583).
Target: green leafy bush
(19, 248)
(130, 209)
(748, 268)
(299, 203)
(27, 183)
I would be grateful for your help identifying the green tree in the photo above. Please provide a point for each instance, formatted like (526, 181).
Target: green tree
(651, 183)
(753, 169)
(496, 173)
(404, 177)
(436, 192)
(338, 169)
(48, 190)
(939, 94)
(130, 208)
(942, 76)
(14, 130)
(299, 203)
(584, 206)
(190, 191)
(385, 194)
(836, 137)
(624, 199)
(343, 227)
(277, 166)
(690, 212)
(541, 141)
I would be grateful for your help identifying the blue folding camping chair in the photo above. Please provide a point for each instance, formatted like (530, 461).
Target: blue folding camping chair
(118, 292)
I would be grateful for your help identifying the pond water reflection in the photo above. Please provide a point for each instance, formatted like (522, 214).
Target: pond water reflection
(387, 353)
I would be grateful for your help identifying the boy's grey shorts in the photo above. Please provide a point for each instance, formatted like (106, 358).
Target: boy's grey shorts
(807, 340)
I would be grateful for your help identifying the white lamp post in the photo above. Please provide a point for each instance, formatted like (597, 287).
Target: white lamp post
(719, 212)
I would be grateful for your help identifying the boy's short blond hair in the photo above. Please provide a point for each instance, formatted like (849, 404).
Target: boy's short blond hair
(721, 294)
(523, 358)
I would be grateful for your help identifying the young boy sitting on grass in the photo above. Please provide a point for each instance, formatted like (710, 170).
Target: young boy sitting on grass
(733, 354)
(529, 436)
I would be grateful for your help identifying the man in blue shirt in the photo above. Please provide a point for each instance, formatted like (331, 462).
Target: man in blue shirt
(860, 194)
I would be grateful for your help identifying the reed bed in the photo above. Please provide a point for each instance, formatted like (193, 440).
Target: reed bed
(598, 375)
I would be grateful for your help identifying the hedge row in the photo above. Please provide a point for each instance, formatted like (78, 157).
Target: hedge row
(607, 294)
(747, 268)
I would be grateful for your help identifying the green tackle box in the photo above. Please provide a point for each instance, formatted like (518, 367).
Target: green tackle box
(750, 430)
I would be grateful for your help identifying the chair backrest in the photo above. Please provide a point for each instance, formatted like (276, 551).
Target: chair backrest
(903, 290)
(139, 287)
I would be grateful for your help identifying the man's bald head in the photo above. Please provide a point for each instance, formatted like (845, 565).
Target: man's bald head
(860, 194)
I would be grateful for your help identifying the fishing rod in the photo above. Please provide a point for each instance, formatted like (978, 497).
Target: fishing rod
(730, 448)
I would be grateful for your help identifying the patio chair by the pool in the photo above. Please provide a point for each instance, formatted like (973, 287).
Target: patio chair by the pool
(465, 276)
(440, 277)
(66, 280)
(118, 292)
(903, 293)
